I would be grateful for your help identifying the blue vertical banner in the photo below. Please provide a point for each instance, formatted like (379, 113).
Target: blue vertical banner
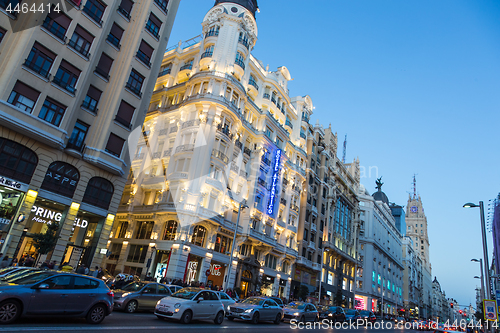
(274, 184)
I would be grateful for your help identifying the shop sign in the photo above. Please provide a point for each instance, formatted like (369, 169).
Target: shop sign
(276, 169)
(267, 278)
(490, 309)
(192, 269)
(359, 303)
(13, 184)
(282, 282)
(45, 215)
(215, 270)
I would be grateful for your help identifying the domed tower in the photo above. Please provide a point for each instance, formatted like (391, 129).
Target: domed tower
(379, 195)
(230, 32)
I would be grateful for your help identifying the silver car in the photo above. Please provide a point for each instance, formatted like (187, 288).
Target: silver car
(52, 293)
(139, 296)
(225, 300)
(301, 312)
(256, 309)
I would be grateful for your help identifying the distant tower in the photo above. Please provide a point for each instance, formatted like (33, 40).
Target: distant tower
(345, 147)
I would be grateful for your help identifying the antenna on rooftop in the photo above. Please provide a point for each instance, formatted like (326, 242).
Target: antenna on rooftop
(345, 146)
(414, 186)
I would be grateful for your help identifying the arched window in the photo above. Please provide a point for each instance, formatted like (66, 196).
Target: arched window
(199, 234)
(170, 230)
(61, 178)
(17, 161)
(99, 192)
(246, 275)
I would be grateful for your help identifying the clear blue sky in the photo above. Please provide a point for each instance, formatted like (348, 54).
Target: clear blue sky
(415, 86)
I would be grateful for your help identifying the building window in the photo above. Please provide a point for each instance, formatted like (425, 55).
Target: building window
(17, 161)
(145, 53)
(114, 145)
(52, 112)
(23, 97)
(125, 114)
(125, 8)
(164, 70)
(67, 77)
(208, 52)
(99, 192)
(121, 231)
(270, 261)
(187, 65)
(104, 66)
(243, 39)
(253, 82)
(61, 178)
(163, 5)
(78, 136)
(137, 253)
(57, 24)
(222, 244)
(170, 230)
(135, 82)
(40, 60)
(115, 250)
(214, 31)
(144, 229)
(115, 35)
(2, 34)
(199, 233)
(240, 60)
(95, 10)
(92, 99)
(81, 41)
(153, 25)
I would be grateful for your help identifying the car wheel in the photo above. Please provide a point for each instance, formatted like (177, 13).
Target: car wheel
(230, 318)
(219, 318)
(9, 311)
(131, 306)
(302, 319)
(277, 321)
(255, 318)
(96, 314)
(186, 317)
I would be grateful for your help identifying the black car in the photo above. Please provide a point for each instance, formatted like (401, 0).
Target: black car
(334, 313)
(367, 316)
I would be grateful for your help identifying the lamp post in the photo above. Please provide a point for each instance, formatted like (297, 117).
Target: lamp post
(485, 245)
(241, 206)
(480, 261)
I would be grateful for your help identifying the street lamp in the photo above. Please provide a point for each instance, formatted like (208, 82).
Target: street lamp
(480, 261)
(242, 205)
(485, 244)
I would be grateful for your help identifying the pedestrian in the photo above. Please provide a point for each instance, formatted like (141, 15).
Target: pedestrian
(28, 262)
(45, 265)
(52, 264)
(96, 271)
(148, 277)
(100, 273)
(14, 262)
(5, 262)
(87, 270)
(80, 269)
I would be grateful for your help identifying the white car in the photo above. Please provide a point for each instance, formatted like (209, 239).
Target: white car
(225, 300)
(191, 303)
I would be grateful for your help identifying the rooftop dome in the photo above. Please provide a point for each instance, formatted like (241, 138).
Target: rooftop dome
(379, 195)
(251, 5)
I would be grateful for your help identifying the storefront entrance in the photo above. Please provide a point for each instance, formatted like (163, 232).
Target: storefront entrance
(217, 273)
(246, 278)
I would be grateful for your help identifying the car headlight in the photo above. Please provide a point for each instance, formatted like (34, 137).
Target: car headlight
(296, 314)
(248, 310)
(177, 305)
(228, 308)
(330, 314)
(125, 295)
(159, 301)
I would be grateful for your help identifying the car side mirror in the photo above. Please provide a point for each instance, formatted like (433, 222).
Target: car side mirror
(43, 286)
(200, 299)
(265, 306)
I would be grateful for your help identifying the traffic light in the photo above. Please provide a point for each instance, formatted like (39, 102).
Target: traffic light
(460, 311)
(451, 305)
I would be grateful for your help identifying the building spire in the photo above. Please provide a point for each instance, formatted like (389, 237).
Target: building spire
(414, 186)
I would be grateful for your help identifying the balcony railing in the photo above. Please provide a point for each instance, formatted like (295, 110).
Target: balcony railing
(262, 182)
(123, 122)
(183, 148)
(52, 29)
(74, 146)
(13, 3)
(37, 69)
(303, 135)
(305, 118)
(240, 63)
(244, 42)
(207, 54)
(79, 49)
(151, 28)
(266, 96)
(135, 90)
(247, 151)
(122, 11)
(253, 83)
(114, 41)
(225, 130)
(165, 72)
(238, 144)
(64, 85)
(273, 99)
(288, 123)
(102, 73)
(212, 33)
(266, 161)
(163, 5)
(92, 15)
(220, 155)
(186, 66)
(143, 58)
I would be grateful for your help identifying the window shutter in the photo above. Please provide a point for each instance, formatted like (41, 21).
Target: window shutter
(94, 93)
(62, 19)
(44, 50)
(155, 20)
(146, 49)
(115, 144)
(84, 33)
(125, 111)
(127, 5)
(70, 68)
(26, 90)
(105, 63)
(116, 31)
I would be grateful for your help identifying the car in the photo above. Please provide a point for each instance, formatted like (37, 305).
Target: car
(256, 309)
(367, 316)
(334, 313)
(351, 315)
(301, 311)
(54, 293)
(191, 303)
(400, 320)
(278, 301)
(139, 296)
(173, 287)
(225, 300)
(9, 270)
(13, 274)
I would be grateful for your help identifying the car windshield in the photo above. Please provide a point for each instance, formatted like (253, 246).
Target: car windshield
(7, 269)
(296, 305)
(365, 313)
(134, 286)
(32, 277)
(253, 301)
(186, 293)
(328, 308)
(17, 274)
(351, 312)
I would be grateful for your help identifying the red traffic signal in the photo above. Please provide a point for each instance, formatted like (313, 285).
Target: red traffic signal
(451, 305)
(460, 311)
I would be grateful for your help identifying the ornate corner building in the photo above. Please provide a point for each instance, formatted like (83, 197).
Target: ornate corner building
(75, 78)
(222, 139)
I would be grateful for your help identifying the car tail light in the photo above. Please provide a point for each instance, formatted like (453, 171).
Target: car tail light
(110, 293)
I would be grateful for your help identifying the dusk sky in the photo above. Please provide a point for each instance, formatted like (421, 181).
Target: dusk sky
(415, 86)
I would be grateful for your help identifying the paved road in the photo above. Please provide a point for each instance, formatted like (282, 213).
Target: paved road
(147, 322)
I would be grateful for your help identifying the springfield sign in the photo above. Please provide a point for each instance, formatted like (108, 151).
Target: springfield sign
(46, 215)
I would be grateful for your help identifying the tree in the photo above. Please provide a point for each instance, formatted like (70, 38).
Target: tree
(46, 242)
(303, 292)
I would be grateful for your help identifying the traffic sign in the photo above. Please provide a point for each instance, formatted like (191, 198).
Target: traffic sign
(490, 309)
(207, 272)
